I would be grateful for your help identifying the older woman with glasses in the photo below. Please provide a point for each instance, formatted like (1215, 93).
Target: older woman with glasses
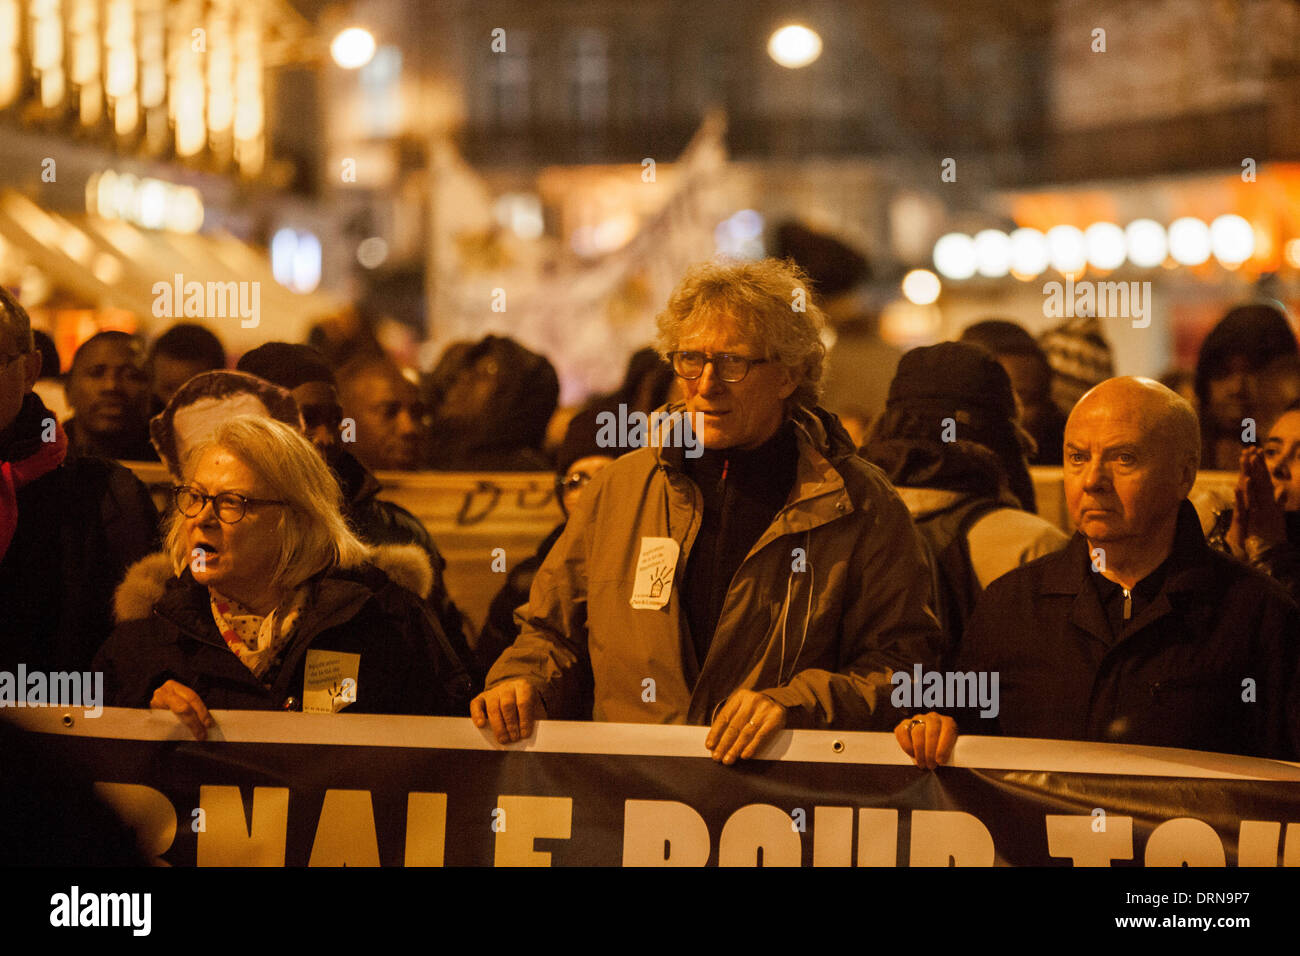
(263, 599)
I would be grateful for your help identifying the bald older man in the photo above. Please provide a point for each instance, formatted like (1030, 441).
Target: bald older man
(1137, 632)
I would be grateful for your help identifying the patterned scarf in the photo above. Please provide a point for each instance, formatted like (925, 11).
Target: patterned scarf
(257, 639)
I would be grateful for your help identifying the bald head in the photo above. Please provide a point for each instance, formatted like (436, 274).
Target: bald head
(1165, 416)
(1131, 451)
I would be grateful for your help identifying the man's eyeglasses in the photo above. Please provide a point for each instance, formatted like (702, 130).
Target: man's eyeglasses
(728, 367)
(229, 506)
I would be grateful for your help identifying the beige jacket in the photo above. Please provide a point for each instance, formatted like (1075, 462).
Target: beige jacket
(829, 602)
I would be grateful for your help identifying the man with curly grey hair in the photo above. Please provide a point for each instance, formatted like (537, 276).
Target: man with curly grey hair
(773, 581)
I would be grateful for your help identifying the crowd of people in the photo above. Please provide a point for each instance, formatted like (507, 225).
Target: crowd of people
(780, 574)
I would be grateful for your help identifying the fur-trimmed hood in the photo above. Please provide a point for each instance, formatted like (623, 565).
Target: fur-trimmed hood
(146, 581)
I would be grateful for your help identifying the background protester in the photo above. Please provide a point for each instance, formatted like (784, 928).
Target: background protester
(774, 581)
(1080, 358)
(1227, 378)
(70, 524)
(108, 391)
(860, 363)
(494, 410)
(580, 458)
(950, 444)
(50, 384)
(1031, 377)
(259, 570)
(302, 370)
(179, 354)
(1138, 632)
(390, 419)
(1262, 527)
(208, 400)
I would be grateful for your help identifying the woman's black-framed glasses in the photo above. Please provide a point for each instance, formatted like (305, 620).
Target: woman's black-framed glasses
(729, 367)
(229, 506)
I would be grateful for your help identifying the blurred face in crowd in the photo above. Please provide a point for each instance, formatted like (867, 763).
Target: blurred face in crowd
(322, 415)
(170, 373)
(1125, 472)
(1282, 455)
(1234, 395)
(470, 392)
(740, 414)
(18, 373)
(389, 418)
(576, 478)
(108, 388)
(238, 559)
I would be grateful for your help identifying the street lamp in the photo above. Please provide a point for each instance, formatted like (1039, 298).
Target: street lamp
(353, 48)
(794, 46)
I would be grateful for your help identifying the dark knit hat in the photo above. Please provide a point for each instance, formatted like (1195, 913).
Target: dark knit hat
(1080, 358)
(832, 266)
(287, 365)
(953, 375)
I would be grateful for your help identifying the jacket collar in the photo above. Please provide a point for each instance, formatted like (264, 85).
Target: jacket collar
(1068, 570)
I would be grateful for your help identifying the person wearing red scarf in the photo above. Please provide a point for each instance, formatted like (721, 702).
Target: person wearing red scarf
(70, 524)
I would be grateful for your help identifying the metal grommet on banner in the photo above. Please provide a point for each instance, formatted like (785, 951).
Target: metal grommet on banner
(68, 720)
(837, 746)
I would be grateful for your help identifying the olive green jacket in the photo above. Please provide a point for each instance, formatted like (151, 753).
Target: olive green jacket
(830, 601)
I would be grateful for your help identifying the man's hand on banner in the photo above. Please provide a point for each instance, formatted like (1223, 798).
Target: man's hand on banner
(511, 708)
(927, 738)
(186, 705)
(746, 721)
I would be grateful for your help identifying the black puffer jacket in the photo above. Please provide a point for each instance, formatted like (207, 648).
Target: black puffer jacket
(385, 522)
(79, 528)
(166, 632)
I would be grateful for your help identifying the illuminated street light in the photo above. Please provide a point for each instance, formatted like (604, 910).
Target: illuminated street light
(921, 286)
(794, 46)
(1189, 241)
(353, 48)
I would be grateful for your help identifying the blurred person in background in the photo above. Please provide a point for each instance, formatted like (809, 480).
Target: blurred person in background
(860, 363)
(1182, 383)
(70, 524)
(108, 392)
(950, 444)
(345, 336)
(1228, 368)
(303, 372)
(1031, 377)
(179, 354)
(1279, 389)
(1080, 358)
(495, 410)
(50, 385)
(1262, 527)
(390, 418)
(258, 569)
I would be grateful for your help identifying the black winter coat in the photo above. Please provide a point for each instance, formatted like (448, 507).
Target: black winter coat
(166, 632)
(1176, 677)
(79, 528)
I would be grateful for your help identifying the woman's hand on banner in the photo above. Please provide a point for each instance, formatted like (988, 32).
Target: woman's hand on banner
(745, 722)
(927, 738)
(186, 705)
(511, 708)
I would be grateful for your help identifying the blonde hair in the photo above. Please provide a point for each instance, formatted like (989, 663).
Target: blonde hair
(771, 302)
(313, 534)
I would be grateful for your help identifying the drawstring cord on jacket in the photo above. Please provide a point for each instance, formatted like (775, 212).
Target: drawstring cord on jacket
(785, 615)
